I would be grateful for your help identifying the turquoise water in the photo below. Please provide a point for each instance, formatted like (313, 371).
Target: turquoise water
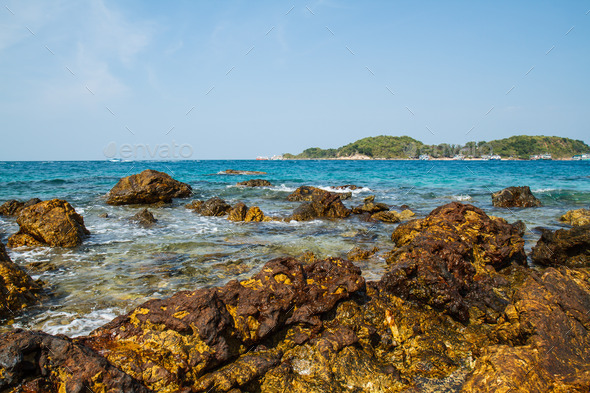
(122, 264)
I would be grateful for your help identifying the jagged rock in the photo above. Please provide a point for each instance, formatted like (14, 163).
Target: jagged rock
(552, 313)
(442, 261)
(304, 193)
(147, 187)
(17, 289)
(392, 216)
(322, 205)
(369, 206)
(173, 343)
(13, 207)
(211, 207)
(38, 362)
(351, 187)
(515, 197)
(569, 247)
(54, 223)
(238, 212)
(255, 183)
(577, 217)
(358, 254)
(239, 172)
(254, 214)
(144, 218)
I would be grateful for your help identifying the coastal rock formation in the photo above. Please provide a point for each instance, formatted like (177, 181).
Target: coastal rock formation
(304, 193)
(147, 187)
(351, 187)
(448, 259)
(215, 206)
(254, 214)
(144, 218)
(239, 172)
(515, 197)
(38, 362)
(255, 183)
(392, 216)
(228, 337)
(17, 289)
(323, 205)
(13, 207)
(551, 311)
(54, 223)
(569, 247)
(369, 206)
(238, 212)
(359, 254)
(577, 217)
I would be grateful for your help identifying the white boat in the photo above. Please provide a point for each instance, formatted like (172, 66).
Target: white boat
(424, 157)
(115, 160)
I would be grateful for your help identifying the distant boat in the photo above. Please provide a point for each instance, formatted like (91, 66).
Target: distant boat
(545, 156)
(115, 160)
(579, 157)
(424, 157)
(459, 157)
(260, 158)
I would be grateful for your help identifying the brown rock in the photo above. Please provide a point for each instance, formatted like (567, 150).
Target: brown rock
(13, 207)
(577, 217)
(515, 197)
(304, 193)
(386, 216)
(239, 172)
(323, 205)
(255, 183)
(17, 289)
(442, 260)
(569, 247)
(369, 206)
(38, 362)
(54, 223)
(358, 254)
(348, 187)
(212, 207)
(254, 214)
(147, 187)
(144, 218)
(238, 212)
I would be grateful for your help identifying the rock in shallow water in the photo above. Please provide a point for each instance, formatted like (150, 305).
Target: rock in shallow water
(515, 197)
(13, 207)
(53, 223)
(255, 183)
(577, 217)
(147, 187)
(322, 205)
(569, 247)
(144, 218)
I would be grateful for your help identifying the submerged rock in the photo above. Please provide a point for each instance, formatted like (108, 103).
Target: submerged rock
(215, 206)
(577, 217)
(348, 187)
(147, 187)
(443, 261)
(240, 172)
(54, 223)
(13, 207)
(515, 197)
(17, 289)
(369, 206)
(569, 247)
(144, 218)
(322, 205)
(359, 254)
(255, 183)
(392, 216)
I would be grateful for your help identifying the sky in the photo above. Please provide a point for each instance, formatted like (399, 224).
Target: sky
(97, 79)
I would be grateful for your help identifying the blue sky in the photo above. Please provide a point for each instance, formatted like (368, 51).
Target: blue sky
(240, 79)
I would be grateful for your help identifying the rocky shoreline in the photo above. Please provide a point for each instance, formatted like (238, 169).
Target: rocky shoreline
(458, 309)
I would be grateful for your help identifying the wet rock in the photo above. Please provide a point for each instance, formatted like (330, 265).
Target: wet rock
(515, 197)
(322, 205)
(447, 260)
(255, 183)
(305, 193)
(254, 214)
(17, 289)
(174, 343)
(386, 216)
(147, 187)
(144, 218)
(369, 206)
(359, 254)
(38, 362)
(552, 313)
(13, 207)
(351, 187)
(238, 212)
(212, 207)
(54, 223)
(577, 217)
(103, 215)
(240, 172)
(569, 247)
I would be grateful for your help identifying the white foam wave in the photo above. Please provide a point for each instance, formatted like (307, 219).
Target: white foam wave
(461, 197)
(544, 190)
(78, 325)
(345, 190)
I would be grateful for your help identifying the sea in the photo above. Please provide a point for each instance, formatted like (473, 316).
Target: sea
(122, 264)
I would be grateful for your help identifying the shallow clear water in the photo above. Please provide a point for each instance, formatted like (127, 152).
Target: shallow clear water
(122, 264)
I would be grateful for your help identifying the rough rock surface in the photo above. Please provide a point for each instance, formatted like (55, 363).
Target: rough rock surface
(13, 207)
(38, 362)
(348, 187)
(147, 187)
(211, 207)
(238, 212)
(254, 214)
(577, 217)
(304, 193)
(515, 197)
(239, 172)
(369, 206)
(144, 218)
(447, 259)
(359, 254)
(54, 223)
(255, 183)
(569, 247)
(17, 288)
(322, 205)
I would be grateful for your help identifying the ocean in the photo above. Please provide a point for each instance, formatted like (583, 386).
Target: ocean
(122, 264)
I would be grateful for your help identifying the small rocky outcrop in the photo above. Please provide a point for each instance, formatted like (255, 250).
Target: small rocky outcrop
(369, 206)
(53, 223)
(144, 218)
(577, 217)
(38, 362)
(304, 193)
(569, 247)
(392, 216)
(215, 207)
(17, 289)
(515, 197)
(360, 254)
(255, 183)
(147, 187)
(238, 212)
(13, 207)
(322, 205)
(254, 214)
(351, 187)
(447, 260)
(240, 172)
